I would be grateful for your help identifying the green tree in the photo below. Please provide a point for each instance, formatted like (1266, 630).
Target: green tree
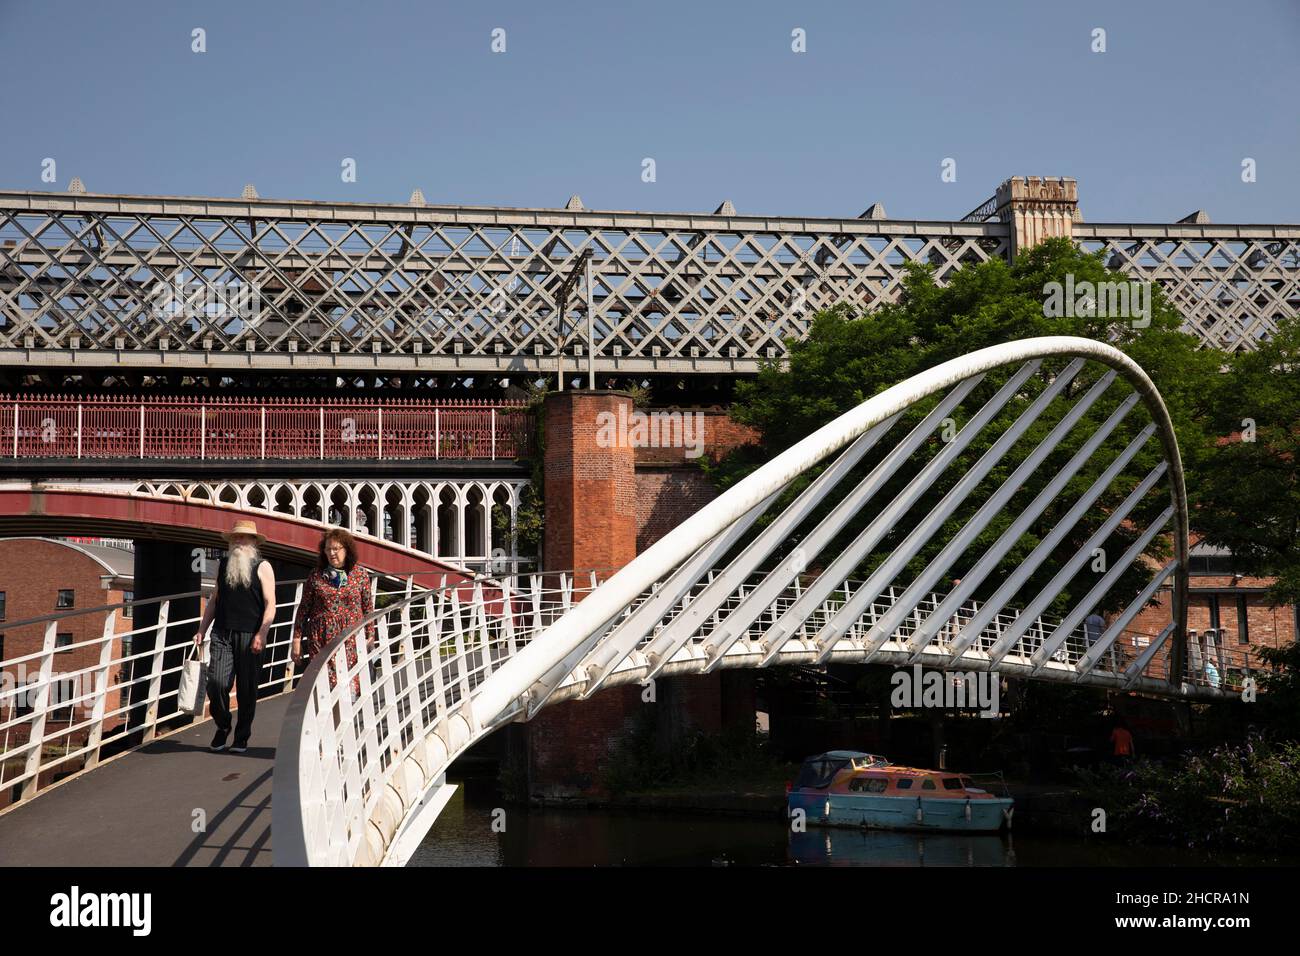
(1247, 497)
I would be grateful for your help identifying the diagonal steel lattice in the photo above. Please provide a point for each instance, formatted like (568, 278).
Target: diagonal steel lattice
(84, 281)
(1231, 284)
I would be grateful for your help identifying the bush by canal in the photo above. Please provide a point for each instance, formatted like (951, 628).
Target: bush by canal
(1227, 797)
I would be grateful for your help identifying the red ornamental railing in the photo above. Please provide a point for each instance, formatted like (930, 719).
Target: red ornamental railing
(35, 426)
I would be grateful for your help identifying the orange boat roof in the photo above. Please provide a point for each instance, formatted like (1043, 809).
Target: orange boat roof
(909, 771)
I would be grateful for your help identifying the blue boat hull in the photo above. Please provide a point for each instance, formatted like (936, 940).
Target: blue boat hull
(900, 813)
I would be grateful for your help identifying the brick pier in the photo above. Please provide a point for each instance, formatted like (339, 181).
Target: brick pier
(605, 501)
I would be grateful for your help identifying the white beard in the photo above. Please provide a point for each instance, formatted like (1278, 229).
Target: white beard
(239, 565)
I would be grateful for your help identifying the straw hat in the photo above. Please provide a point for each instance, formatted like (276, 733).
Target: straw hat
(245, 527)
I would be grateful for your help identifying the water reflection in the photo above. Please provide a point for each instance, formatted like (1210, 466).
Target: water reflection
(843, 847)
(464, 836)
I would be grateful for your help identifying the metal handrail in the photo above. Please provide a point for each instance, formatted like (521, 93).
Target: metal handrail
(169, 428)
(104, 718)
(73, 612)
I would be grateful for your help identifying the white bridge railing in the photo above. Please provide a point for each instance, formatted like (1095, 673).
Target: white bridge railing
(65, 706)
(360, 773)
(435, 649)
(68, 705)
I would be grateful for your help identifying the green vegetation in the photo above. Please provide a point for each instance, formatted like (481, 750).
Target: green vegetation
(1229, 797)
(1247, 494)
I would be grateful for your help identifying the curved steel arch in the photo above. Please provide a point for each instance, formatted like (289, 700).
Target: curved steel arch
(517, 677)
(362, 778)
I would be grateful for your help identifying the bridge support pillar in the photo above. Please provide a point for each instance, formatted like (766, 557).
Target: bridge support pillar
(1037, 208)
(591, 522)
(161, 568)
(590, 472)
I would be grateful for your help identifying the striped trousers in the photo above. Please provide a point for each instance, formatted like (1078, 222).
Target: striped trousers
(231, 661)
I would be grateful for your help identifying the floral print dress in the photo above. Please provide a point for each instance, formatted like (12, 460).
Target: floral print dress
(334, 602)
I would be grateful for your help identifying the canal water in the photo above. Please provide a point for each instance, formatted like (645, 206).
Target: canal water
(464, 835)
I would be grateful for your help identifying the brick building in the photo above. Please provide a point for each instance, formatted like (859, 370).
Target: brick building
(40, 576)
(1219, 600)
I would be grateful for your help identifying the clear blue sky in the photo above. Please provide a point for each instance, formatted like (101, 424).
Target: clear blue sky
(1153, 128)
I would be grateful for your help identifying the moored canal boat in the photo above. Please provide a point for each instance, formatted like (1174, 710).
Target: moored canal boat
(849, 788)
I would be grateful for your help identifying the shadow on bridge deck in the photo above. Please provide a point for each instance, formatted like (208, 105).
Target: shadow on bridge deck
(138, 810)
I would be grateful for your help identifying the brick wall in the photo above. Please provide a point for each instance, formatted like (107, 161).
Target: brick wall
(670, 487)
(712, 433)
(665, 497)
(32, 572)
(1265, 626)
(590, 490)
(569, 743)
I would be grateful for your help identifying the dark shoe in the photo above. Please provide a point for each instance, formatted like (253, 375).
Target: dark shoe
(219, 741)
(239, 748)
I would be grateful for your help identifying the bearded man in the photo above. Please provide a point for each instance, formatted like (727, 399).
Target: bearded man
(241, 609)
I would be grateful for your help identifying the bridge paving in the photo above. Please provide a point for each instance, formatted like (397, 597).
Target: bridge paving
(138, 810)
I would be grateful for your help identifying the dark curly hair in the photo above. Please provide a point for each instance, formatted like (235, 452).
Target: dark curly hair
(349, 546)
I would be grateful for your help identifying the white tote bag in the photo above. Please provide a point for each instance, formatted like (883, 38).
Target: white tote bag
(194, 681)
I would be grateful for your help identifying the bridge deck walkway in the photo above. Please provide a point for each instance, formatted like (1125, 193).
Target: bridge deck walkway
(138, 810)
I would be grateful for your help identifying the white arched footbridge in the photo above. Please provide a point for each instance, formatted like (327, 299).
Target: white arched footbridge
(834, 550)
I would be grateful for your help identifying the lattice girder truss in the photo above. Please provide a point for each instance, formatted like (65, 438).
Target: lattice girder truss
(439, 287)
(1231, 284)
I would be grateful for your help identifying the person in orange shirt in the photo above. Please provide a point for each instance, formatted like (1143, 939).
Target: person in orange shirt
(1122, 740)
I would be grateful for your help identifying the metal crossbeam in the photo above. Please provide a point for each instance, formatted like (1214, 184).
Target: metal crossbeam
(998, 550)
(887, 518)
(980, 520)
(834, 630)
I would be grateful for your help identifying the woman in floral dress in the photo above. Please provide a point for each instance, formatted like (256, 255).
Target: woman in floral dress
(335, 598)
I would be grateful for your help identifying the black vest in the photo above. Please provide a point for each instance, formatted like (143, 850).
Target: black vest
(239, 608)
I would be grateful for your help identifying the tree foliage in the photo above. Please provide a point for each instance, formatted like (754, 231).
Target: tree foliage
(1247, 498)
